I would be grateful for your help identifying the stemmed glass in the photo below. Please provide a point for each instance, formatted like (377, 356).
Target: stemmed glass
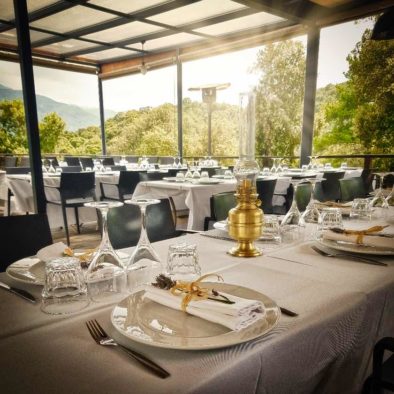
(106, 277)
(279, 168)
(51, 168)
(311, 213)
(273, 168)
(310, 165)
(144, 264)
(44, 169)
(293, 216)
(390, 198)
(379, 200)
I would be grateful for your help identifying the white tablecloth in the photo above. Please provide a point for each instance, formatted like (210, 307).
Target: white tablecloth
(344, 308)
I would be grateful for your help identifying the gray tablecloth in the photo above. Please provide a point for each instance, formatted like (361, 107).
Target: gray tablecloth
(344, 308)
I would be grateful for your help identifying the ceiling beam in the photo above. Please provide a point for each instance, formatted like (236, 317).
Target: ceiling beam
(126, 18)
(164, 33)
(44, 12)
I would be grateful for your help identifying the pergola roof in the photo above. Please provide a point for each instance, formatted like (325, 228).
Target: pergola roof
(106, 36)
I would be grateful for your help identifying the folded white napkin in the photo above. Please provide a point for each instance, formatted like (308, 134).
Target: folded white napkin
(376, 239)
(52, 252)
(237, 316)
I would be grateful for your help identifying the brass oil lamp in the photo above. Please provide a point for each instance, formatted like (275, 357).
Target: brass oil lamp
(245, 221)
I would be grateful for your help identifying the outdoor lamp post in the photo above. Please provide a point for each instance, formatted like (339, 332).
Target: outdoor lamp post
(209, 97)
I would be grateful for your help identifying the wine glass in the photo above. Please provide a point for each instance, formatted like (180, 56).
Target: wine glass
(279, 168)
(51, 168)
(310, 165)
(144, 264)
(293, 216)
(390, 198)
(106, 278)
(379, 200)
(273, 168)
(311, 213)
(44, 169)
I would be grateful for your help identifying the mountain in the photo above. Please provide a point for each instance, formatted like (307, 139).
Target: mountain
(76, 117)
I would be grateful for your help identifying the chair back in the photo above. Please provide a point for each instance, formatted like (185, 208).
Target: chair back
(388, 181)
(72, 161)
(265, 189)
(17, 170)
(86, 162)
(118, 168)
(352, 188)
(124, 224)
(22, 236)
(77, 185)
(303, 196)
(55, 162)
(210, 170)
(221, 203)
(166, 160)
(367, 176)
(153, 159)
(152, 176)
(108, 161)
(68, 169)
(128, 181)
(10, 161)
(132, 159)
(330, 186)
(173, 171)
(24, 161)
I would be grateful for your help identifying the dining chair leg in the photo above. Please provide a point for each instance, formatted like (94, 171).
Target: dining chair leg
(173, 208)
(64, 211)
(9, 194)
(77, 219)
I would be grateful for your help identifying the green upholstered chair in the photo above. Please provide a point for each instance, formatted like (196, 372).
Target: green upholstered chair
(220, 204)
(352, 188)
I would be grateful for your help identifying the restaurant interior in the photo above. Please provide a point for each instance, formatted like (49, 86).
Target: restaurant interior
(206, 273)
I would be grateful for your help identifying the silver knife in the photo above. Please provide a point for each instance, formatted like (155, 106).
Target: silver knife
(21, 293)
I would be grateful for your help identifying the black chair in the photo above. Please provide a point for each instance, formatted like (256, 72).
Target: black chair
(152, 176)
(329, 190)
(165, 160)
(304, 191)
(153, 159)
(132, 159)
(55, 162)
(86, 162)
(388, 181)
(14, 171)
(24, 161)
(220, 204)
(68, 169)
(124, 224)
(352, 188)
(173, 171)
(10, 161)
(128, 181)
(22, 236)
(74, 191)
(108, 161)
(210, 170)
(118, 168)
(72, 161)
(382, 377)
(265, 189)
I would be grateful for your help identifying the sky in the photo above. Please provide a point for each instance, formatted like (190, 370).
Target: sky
(159, 86)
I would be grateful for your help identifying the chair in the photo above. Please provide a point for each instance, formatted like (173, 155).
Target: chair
(328, 190)
(265, 189)
(367, 176)
(72, 161)
(108, 161)
(10, 161)
(173, 171)
(153, 159)
(220, 204)
(132, 159)
(86, 162)
(152, 176)
(303, 196)
(55, 162)
(24, 161)
(118, 168)
(69, 169)
(14, 171)
(75, 190)
(22, 236)
(128, 181)
(165, 160)
(352, 188)
(210, 170)
(124, 226)
(382, 372)
(388, 181)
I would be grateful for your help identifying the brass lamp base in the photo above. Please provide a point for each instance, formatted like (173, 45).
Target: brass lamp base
(245, 249)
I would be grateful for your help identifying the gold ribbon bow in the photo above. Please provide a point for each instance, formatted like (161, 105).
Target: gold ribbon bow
(192, 290)
(360, 233)
(83, 258)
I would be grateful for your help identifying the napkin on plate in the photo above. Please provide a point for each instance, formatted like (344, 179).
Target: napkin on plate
(377, 238)
(237, 316)
(52, 252)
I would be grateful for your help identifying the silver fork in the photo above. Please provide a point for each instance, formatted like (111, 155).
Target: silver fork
(349, 256)
(103, 339)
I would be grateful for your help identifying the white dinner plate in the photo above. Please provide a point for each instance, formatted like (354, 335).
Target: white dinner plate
(209, 182)
(354, 248)
(145, 321)
(170, 179)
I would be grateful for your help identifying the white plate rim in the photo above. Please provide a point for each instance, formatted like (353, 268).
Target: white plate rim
(272, 309)
(353, 248)
(12, 271)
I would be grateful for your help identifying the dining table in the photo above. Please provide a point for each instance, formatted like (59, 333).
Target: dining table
(344, 307)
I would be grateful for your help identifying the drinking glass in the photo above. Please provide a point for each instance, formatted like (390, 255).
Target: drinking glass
(182, 262)
(293, 216)
(310, 165)
(279, 168)
(106, 276)
(180, 177)
(204, 175)
(390, 198)
(273, 168)
(304, 168)
(228, 174)
(196, 174)
(144, 264)
(265, 172)
(330, 218)
(311, 213)
(51, 168)
(271, 229)
(328, 166)
(64, 288)
(344, 165)
(188, 175)
(361, 209)
(379, 201)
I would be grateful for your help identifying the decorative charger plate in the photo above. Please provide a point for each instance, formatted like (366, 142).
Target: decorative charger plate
(354, 248)
(145, 321)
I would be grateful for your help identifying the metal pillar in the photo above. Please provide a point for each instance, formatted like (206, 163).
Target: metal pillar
(209, 129)
(29, 100)
(179, 103)
(102, 116)
(312, 56)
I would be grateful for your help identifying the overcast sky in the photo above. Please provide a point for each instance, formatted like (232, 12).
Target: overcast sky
(157, 87)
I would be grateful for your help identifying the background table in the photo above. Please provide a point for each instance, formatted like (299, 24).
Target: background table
(344, 308)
